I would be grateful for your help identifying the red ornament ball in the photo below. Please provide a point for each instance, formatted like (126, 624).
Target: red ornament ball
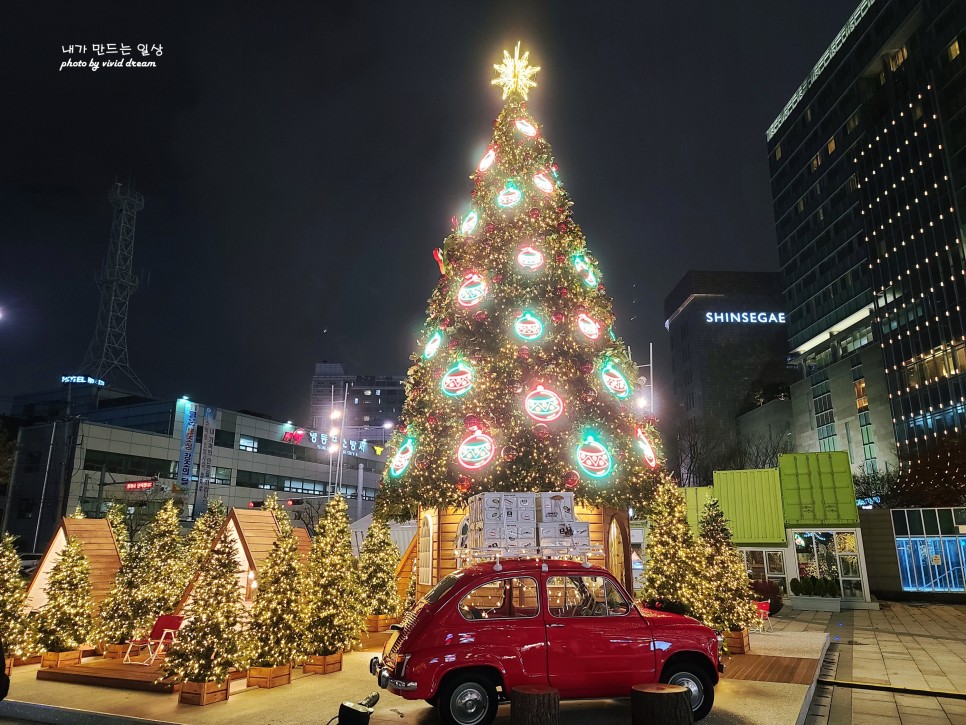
(563, 291)
(534, 213)
(589, 394)
(497, 278)
(562, 227)
(432, 419)
(541, 431)
(587, 368)
(509, 453)
(523, 353)
(464, 483)
(445, 322)
(453, 344)
(471, 421)
(490, 228)
(402, 427)
(557, 316)
(571, 479)
(561, 258)
(516, 386)
(601, 288)
(422, 461)
(480, 316)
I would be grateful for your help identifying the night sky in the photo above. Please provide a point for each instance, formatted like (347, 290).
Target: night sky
(300, 162)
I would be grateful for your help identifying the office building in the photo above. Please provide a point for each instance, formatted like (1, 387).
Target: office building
(370, 404)
(867, 164)
(135, 450)
(727, 334)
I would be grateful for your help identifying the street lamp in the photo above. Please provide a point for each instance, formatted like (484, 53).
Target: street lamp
(335, 414)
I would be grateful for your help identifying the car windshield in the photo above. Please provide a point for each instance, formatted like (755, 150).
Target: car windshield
(444, 585)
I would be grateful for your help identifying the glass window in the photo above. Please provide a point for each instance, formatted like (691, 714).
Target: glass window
(425, 562)
(845, 543)
(513, 598)
(755, 562)
(247, 443)
(899, 523)
(850, 565)
(776, 562)
(946, 525)
(930, 522)
(444, 585)
(915, 522)
(805, 554)
(952, 51)
(584, 596)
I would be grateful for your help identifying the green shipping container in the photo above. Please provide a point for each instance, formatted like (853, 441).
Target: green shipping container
(816, 489)
(751, 501)
(696, 496)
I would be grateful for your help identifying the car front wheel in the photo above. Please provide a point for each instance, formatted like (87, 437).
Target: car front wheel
(468, 699)
(699, 685)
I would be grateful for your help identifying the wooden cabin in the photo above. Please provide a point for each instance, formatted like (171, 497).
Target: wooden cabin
(97, 540)
(442, 532)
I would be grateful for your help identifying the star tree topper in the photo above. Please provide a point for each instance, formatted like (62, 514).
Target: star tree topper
(516, 73)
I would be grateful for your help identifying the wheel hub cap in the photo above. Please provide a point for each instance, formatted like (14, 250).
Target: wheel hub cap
(694, 688)
(469, 706)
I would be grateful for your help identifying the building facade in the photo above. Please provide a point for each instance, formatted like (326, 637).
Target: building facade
(866, 163)
(138, 453)
(727, 333)
(370, 404)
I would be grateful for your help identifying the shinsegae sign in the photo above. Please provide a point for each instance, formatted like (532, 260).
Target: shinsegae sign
(745, 317)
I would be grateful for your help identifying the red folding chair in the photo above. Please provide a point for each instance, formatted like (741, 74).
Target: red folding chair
(763, 609)
(163, 633)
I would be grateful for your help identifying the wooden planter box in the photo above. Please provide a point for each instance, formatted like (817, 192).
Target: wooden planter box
(29, 660)
(60, 659)
(737, 642)
(270, 676)
(8, 665)
(379, 622)
(116, 651)
(203, 693)
(322, 664)
(816, 604)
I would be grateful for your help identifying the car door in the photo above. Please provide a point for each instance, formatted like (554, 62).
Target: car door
(598, 644)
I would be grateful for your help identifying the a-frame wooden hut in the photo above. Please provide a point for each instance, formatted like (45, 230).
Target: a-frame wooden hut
(253, 532)
(97, 540)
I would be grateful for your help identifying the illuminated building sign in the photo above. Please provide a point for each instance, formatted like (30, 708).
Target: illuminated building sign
(323, 441)
(293, 436)
(139, 485)
(746, 317)
(81, 380)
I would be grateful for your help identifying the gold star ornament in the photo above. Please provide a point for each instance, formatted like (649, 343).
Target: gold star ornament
(516, 73)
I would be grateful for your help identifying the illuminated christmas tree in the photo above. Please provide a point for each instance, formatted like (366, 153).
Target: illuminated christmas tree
(203, 533)
(16, 631)
(64, 622)
(150, 582)
(378, 560)
(281, 515)
(675, 577)
(730, 604)
(276, 624)
(117, 519)
(334, 609)
(520, 381)
(209, 642)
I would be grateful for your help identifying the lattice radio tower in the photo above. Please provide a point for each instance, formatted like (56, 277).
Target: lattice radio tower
(107, 357)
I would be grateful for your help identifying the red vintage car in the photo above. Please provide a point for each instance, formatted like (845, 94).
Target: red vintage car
(486, 629)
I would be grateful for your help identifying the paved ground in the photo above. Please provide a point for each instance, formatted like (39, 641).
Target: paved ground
(314, 699)
(904, 647)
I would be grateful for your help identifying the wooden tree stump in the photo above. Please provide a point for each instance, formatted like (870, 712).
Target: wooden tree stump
(534, 705)
(661, 703)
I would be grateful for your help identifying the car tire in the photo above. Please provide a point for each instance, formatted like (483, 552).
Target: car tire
(467, 699)
(692, 676)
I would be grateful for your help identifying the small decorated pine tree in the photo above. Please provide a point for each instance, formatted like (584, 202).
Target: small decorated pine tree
(150, 582)
(730, 605)
(378, 561)
(675, 561)
(78, 513)
(117, 518)
(275, 626)
(281, 515)
(410, 601)
(202, 535)
(18, 637)
(64, 622)
(208, 642)
(334, 611)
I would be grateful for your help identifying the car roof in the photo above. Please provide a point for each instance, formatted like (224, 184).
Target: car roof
(528, 565)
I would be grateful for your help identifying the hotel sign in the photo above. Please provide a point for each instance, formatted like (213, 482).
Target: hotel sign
(746, 317)
(82, 380)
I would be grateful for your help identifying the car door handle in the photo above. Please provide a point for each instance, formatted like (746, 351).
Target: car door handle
(554, 625)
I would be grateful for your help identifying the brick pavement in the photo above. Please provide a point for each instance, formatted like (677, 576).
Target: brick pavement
(903, 645)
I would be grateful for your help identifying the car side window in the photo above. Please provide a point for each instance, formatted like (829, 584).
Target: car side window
(584, 596)
(511, 598)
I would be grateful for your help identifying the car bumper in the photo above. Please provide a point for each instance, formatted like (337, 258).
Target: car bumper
(386, 681)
